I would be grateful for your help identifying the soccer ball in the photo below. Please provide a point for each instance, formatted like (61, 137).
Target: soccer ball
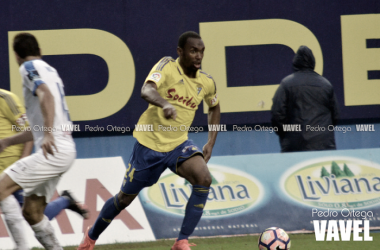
(274, 238)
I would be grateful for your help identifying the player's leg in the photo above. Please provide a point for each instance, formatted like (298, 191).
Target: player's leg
(19, 197)
(130, 188)
(110, 210)
(33, 211)
(15, 221)
(39, 177)
(144, 169)
(132, 185)
(65, 201)
(196, 172)
(53, 208)
(11, 212)
(7, 186)
(74, 205)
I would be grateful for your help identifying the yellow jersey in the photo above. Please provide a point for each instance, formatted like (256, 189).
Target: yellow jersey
(156, 132)
(12, 121)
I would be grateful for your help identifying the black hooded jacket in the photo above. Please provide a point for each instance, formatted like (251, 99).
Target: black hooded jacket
(307, 99)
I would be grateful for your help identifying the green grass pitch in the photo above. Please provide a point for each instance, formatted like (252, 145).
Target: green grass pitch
(299, 241)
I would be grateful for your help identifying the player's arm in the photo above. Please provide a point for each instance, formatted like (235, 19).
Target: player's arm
(149, 93)
(16, 139)
(46, 100)
(28, 147)
(25, 137)
(20, 120)
(15, 113)
(213, 118)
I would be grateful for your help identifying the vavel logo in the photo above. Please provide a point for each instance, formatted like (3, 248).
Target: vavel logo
(231, 192)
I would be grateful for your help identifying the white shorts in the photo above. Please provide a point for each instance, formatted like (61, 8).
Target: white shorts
(38, 175)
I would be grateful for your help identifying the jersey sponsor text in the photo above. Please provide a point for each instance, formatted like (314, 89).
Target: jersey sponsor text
(184, 100)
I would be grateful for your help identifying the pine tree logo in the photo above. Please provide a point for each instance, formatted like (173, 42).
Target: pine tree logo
(335, 170)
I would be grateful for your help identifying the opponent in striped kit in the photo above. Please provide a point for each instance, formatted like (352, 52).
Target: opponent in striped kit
(39, 173)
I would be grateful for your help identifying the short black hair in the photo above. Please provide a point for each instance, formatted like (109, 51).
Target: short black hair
(25, 44)
(183, 38)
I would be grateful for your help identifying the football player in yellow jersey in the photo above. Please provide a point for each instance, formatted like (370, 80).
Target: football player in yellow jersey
(174, 89)
(12, 121)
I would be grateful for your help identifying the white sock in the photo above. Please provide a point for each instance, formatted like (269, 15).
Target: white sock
(44, 233)
(14, 220)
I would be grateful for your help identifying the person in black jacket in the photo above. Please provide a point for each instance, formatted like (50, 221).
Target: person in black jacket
(305, 108)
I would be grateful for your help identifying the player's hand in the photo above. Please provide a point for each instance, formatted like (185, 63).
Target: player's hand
(207, 151)
(3, 145)
(169, 111)
(48, 144)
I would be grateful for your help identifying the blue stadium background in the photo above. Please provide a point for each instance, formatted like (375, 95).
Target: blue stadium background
(150, 29)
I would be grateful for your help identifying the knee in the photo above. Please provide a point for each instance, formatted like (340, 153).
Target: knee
(30, 217)
(33, 215)
(124, 200)
(207, 180)
(204, 180)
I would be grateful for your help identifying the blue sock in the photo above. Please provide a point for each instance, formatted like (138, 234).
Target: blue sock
(109, 211)
(194, 210)
(19, 197)
(55, 207)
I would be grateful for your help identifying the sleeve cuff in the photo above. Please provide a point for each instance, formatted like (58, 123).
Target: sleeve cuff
(36, 84)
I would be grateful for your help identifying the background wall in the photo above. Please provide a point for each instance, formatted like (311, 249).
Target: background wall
(228, 143)
(104, 52)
